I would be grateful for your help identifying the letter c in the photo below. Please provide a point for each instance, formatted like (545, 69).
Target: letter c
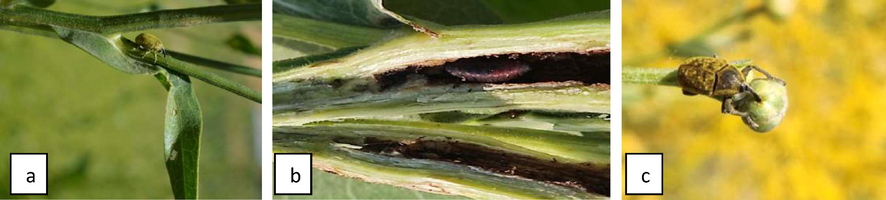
(644, 177)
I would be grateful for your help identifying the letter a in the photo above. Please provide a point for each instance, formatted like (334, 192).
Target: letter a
(31, 178)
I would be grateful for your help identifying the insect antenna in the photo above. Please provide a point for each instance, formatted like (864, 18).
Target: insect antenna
(768, 76)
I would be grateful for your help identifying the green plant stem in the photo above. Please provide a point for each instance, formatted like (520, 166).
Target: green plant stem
(36, 17)
(208, 77)
(240, 69)
(651, 76)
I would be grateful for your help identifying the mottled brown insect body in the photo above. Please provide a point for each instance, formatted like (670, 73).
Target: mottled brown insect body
(150, 44)
(711, 77)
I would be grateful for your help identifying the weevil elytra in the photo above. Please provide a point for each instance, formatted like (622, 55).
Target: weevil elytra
(150, 44)
(720, 80)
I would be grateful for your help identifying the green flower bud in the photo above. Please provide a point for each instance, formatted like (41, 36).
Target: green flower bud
(765, 115)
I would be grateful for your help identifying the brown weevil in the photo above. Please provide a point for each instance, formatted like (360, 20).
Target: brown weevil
(150, 44)
(720, 80)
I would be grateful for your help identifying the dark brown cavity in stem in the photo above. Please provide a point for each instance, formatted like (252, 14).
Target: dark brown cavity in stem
(589, 68)
(588, 177)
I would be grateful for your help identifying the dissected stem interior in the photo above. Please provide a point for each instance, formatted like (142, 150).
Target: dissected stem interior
(588, 68)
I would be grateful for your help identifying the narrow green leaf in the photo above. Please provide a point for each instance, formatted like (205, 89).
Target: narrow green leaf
(325, 34)
(351, 12)
(40, 3)
(205, 62)
(242, 44)
(285, 48)
(107, 48)
(450, 13)
(531, 11)
(184, 125)
(283, 65)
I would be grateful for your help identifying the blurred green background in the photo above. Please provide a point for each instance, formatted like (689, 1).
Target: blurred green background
(831, 144)
(103, 129)
(452, 12)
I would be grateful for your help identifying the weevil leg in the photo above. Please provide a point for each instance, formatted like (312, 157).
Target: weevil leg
(155, 57)
(723, 108)
(146, 54)
(729, 108)
(165, 54)
(748, 69)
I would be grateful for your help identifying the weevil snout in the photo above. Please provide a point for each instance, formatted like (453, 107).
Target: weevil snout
(746, 88)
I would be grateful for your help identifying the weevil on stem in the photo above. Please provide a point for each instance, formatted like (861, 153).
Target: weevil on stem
(150, 44)
(720, 80)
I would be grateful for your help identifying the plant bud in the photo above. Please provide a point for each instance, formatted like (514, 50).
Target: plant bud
(765, 115)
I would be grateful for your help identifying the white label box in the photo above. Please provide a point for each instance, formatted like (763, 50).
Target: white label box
(292, 174)
(27, 173)
(644, 173)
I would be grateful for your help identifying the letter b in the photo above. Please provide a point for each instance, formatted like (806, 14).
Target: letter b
(294, 175)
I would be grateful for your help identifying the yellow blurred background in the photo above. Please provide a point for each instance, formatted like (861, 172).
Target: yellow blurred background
(832, 142)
